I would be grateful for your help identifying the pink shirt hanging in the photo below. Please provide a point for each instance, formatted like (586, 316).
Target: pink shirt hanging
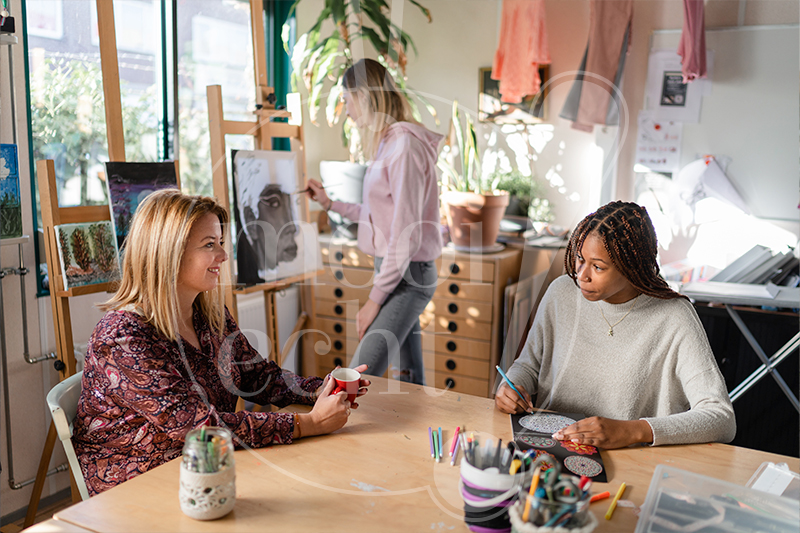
(692, 47)
(523, 47)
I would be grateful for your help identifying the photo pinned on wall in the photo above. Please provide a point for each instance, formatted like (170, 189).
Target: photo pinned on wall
(10, 204)
(273, 239)
(533, 431)
(130, 183)
(88, 253)
(531, 110)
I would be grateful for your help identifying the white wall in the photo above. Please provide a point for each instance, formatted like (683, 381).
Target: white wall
(462, 39)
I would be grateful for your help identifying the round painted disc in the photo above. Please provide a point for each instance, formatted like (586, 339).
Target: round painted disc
(545, 423)
(582, 466)
(538, 442)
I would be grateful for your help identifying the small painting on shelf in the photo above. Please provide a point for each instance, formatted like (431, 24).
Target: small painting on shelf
(10, 205)
(129, 184)
(88, 253)
(532, 109)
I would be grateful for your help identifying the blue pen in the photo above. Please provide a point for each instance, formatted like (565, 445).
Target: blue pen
(503, 374)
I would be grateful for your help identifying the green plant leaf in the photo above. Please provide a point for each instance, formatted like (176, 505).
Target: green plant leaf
(337, 10)
(379, 44)
(425, 10)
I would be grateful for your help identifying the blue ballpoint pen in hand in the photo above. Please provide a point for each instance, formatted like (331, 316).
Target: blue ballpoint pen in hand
(508, 381)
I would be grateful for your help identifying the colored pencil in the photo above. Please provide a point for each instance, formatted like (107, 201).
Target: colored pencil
(534, 483)
(454, 453)
(430, 437)
(435, 447)
(614, 502)
(455, 440)
(503, 374)
(441, 443)
(599, 496)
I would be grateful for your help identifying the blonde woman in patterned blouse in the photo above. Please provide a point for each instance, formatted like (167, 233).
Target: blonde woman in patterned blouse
(168, 357)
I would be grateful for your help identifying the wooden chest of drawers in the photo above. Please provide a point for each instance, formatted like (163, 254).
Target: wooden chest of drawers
(462, 325)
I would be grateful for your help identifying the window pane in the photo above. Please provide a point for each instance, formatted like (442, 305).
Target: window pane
(68, 112)
(214, 48)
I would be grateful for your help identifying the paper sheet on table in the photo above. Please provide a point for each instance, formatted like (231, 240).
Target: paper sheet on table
(704, 178)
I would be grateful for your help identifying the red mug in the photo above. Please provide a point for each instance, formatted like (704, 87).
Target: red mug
(346, 380)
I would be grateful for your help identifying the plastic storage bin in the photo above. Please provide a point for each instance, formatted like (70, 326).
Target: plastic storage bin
(678, 500)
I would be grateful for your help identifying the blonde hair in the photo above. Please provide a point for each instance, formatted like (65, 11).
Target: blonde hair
(378, 97)
(152, 256)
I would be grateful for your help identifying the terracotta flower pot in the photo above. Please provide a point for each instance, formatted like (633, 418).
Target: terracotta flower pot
(474, 219)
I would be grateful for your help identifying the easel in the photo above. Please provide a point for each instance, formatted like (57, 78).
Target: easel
(263, 132)
(53, 215)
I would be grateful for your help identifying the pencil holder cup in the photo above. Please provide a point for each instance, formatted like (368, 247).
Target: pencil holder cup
(487, 495)
(547, 516)
(208, 474)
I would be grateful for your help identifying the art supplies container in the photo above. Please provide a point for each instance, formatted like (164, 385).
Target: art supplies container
(208, 474)
(487, 495)
(559, 503)
(678, 500)
(776, 479)
(576, 517)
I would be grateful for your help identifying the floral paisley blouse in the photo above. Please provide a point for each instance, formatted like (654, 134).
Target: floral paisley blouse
(142, 393)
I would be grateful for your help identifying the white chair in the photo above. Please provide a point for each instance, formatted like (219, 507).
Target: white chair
(63, 403)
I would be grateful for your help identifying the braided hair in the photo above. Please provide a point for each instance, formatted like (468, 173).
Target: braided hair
(630, 240)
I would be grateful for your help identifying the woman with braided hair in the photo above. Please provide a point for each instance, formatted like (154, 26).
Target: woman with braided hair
(612, 341)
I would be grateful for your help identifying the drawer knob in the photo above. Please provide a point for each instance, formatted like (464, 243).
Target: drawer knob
(451, 346)
(339, 256)
(452, 326)
(454, 268)
(337, 361)
(453, 308)
(449, 383)
(338, 310)
(338, 292)
(338, 275)
(338, 328)
(337, 345)
(450, 364)
(453, 288)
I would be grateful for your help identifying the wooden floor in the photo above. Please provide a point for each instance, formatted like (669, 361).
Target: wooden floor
(45, 513)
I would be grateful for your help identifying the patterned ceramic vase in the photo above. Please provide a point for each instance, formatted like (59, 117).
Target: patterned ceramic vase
(208, 474)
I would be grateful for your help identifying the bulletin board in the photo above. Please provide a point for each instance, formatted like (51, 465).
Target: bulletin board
(752, 113)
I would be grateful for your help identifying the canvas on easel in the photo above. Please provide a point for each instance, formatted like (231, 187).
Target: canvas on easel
(88, 253)
(130, 183)
(273, 241)
(10, 205)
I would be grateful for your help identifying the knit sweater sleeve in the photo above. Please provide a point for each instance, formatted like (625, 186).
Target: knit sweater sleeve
(525, 370)
(710, 417)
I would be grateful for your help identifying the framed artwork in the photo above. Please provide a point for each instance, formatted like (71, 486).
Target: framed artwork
(88, 253)
(10, 204)
(130, 183)
(273, 239)
(531, 110)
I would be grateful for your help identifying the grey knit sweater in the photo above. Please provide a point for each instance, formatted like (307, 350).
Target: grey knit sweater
(658, 366)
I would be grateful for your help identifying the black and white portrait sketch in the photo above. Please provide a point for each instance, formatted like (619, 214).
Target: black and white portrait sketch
(271, 238)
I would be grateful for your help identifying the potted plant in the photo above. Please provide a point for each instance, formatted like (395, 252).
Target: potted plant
(473, 211)
(320, 62)
(526, 195)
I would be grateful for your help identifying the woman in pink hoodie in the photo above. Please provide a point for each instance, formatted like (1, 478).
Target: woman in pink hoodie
(398, 221)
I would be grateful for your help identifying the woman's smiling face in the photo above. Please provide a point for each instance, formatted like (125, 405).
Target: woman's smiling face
(597, 276)
(204, 254)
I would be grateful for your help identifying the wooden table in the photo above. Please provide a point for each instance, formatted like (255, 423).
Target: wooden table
(376, 474)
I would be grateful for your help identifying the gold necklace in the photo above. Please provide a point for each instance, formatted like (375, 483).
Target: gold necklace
(611, 326)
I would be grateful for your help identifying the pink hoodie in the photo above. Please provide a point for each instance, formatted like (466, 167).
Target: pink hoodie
(399, 217)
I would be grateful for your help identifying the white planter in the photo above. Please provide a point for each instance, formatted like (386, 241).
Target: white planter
(207, 496)
(343, 181)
